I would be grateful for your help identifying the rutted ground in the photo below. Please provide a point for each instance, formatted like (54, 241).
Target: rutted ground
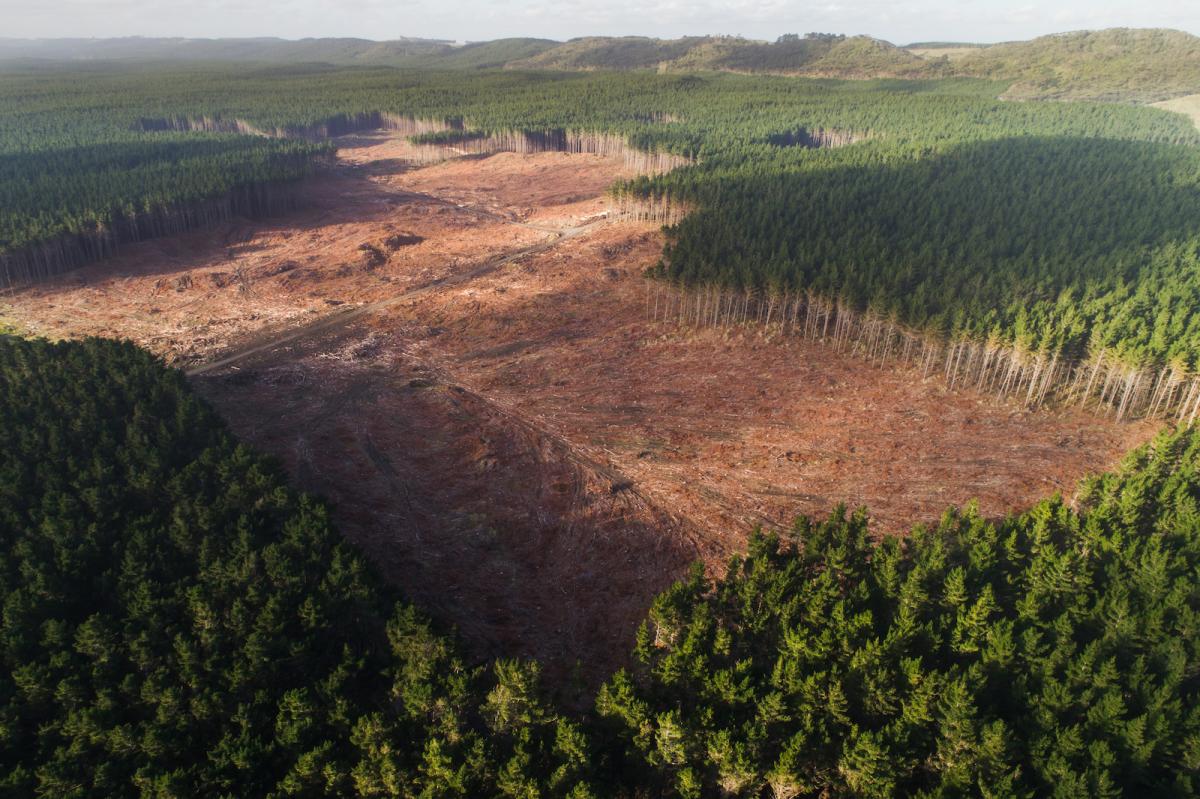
(500, 426)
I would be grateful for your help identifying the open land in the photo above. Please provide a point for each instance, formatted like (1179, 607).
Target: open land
(1188, 105)
(460, 358)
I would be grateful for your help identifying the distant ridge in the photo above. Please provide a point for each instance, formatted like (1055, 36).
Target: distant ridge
(1118, 64)
(817, 55)
(1139, 64)
(344, 51)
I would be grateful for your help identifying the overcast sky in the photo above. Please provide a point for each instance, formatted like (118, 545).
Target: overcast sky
(899, 21)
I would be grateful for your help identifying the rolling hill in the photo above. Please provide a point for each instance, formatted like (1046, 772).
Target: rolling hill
(814, 55)
(1143, 65)
(405, 52)
(1120, 64)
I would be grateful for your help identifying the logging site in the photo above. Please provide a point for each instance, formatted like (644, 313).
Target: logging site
(617, 416)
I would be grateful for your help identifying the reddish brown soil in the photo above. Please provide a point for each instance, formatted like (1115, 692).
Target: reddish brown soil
(350, 243)
(728, 429)
(499, 425)
(492, 522)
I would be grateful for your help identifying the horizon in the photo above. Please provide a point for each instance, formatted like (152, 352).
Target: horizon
(467, 42)
(988, 22)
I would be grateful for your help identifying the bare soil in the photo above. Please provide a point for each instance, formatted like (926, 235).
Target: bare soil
(730, 429)
(351, 242)
(498, 424)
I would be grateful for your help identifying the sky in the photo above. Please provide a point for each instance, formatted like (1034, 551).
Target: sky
(899, 21)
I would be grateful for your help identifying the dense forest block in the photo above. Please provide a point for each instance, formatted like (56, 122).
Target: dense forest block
(1053, 653)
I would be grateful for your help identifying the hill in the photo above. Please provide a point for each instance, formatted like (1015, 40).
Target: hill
(404, 52)
(815, 55)
(483, 55)
(1120, 64)
(623, 52)
(950, 51)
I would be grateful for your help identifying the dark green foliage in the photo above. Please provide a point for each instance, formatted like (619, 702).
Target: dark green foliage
(87, 151)
(177, 622)
(1051, 244)
(451, 137)
(1055, 653)
(52, 190)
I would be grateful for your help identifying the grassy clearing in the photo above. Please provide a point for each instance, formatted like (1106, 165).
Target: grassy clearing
(1189, 106)
(9, 326)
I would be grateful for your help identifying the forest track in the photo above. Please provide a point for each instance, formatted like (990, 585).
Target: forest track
(340, 319)
(442, 202)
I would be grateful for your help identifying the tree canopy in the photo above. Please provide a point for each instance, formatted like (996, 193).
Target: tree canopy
(178, 622)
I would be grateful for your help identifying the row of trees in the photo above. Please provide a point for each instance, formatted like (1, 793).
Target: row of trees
(989, 366)
(1072, 250)
(177, 622)
(77, 146)
(61, 207)
(442, 145)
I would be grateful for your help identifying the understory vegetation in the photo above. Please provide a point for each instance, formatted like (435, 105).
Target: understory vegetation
(178, 622)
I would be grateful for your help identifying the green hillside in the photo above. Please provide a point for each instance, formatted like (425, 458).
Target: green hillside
(1120, 64)
(345, 51)
(624, 52)
(483, 55)
(815, 55)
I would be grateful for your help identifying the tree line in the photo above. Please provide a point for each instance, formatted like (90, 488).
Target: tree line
(67, 205)
(81, 149)
(1075, 251)
(178, 622)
